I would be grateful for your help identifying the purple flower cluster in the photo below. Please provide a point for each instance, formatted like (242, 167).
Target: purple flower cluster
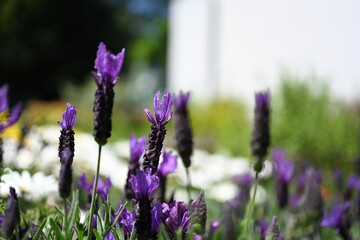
(176, 216)
(162, 110)
(144, 184)
(103, 186)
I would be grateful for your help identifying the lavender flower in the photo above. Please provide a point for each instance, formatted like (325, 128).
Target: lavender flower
(228, 222)
(4, 106)
(260, 140)
(183, 131)
(199, 214)
(214, 226)
(176, 216)
(137, 148)
(263, 226)
(272, 232)
(338, 219)
(167, 166)
(126, 220)
(161, 117)
(284, 170)
(66, 150)
(103, 186)
(12, 215)
(108, 68)
(244, 181)
(143, 184)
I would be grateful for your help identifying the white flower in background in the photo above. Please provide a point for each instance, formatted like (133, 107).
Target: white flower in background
(35, 187)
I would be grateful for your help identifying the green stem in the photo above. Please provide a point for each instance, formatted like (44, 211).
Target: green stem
(251, 208)
(93, 197)
(188, 183)
(65, 227)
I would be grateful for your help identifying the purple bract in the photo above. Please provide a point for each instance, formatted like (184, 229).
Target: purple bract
(156, 217)
(108, 66)
(168, 164)
(244, 180)
(176, 215)
(137, 147)
(162, 110)
(143, 183)
(334, 219)
(102, 188)
(284, 168)
(69, 117)
(181, 101)
(4, 106)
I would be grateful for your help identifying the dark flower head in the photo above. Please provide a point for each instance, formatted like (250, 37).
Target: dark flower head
(335, 218)
(181, 101)
(273, 230)
(284, 168)
(176, 215)
(137, 147)
(168, 164)
(260, 139)
(143, 184)
(313, 202)
(108, 66)
(65, 175)
(244, 180)
(68, 117)
(162, 110)
(156, 217)
(12, 214)
(103, 187)
(4, 106)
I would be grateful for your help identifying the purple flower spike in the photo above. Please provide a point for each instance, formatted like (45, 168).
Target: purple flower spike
(144, 184)
(69, 117)
(137, 147)
(108, 66)
(102, 188)
(284, 168)
(14, 115)
(162, 110)
(12, 215)
(338, 219)
(156, 217)
(182, 101)
(175, 216)
(260, 139)
(168, 165)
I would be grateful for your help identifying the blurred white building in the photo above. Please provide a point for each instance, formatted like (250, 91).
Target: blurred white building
(234, 47)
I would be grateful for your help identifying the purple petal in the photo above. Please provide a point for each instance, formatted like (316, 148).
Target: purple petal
(69, 117)
(143, 184)
(4, 104)
(137, 147)
(168, 164)
(182, 100)
(149, 116)
(156, 215)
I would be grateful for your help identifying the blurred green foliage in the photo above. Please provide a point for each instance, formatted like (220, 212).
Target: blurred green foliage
(312, 125)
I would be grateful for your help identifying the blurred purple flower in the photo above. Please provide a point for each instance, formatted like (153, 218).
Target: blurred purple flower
(108, 66)
(214, 226)
(244, 180)
(137, 147)
(144, 184)
(156, 218)
(337, 218)
(102, 188)
(197, 237)
(162, 110)
(263, 225)
(353, 182)
(260, 139)
(68, 117)
(284, 168)
(175, 216)
(4, 106)
(181, 101)
(168, 164)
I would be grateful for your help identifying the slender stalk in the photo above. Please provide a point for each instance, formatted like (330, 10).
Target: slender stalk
(65, 227)
(93, 197)
(250, 209)
(188, 186)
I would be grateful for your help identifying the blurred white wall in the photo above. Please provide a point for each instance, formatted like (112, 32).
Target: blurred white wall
(233, 47)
